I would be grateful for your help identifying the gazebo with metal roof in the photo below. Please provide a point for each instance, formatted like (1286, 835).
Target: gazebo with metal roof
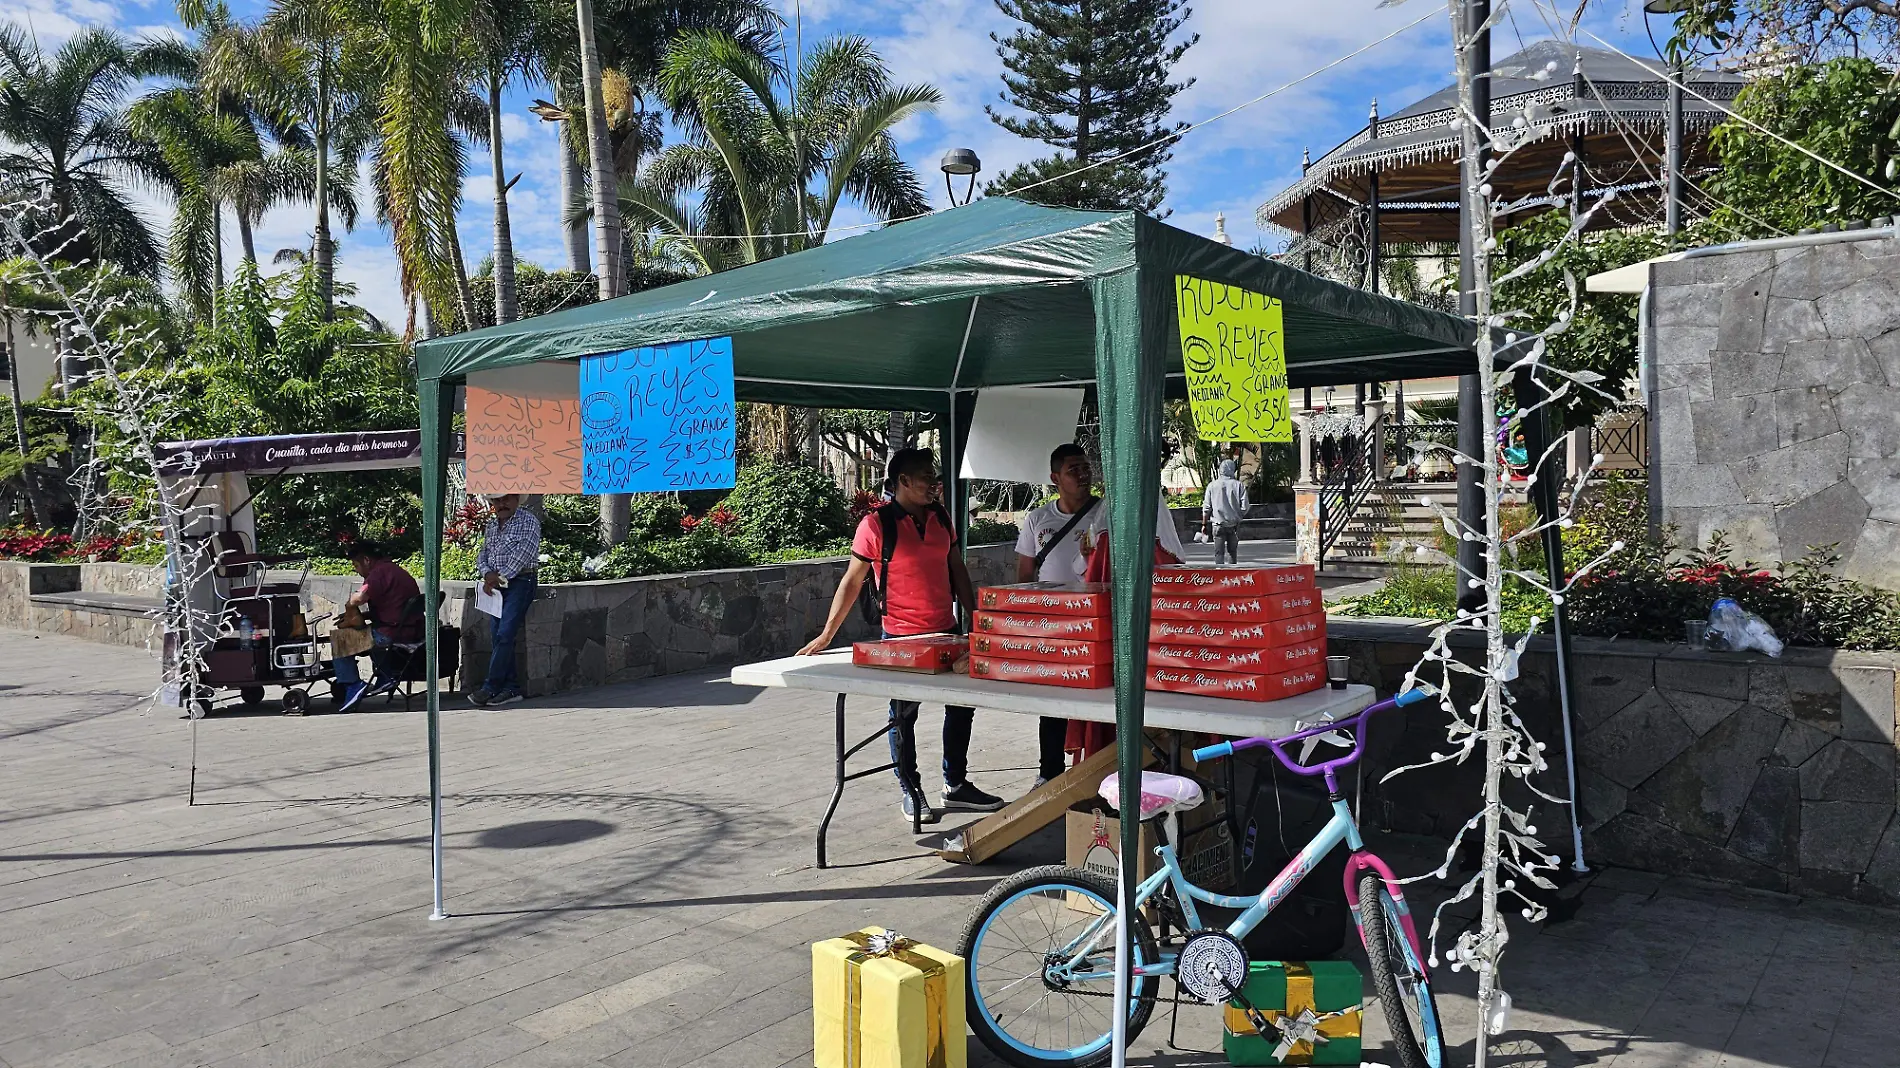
(1398, 176)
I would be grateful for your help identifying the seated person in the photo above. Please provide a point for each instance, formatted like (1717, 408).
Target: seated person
(386, 589)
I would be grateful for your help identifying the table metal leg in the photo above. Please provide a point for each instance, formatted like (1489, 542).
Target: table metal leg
(839, 778)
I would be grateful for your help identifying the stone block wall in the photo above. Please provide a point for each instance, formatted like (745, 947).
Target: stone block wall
(19, 581)
(1775, 773)
(1773, 401)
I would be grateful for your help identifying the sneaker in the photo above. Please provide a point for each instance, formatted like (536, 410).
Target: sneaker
(481, 697)
(965, 797)
(378, 687)
(903, 806)
(506, 697)
(1041, 781)
(352, 696)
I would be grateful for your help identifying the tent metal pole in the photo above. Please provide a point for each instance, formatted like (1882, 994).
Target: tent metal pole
(437, 406)
(952, 456)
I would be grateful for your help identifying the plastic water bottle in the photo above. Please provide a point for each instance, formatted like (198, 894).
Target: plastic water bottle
(247, 634)
(1741, 630)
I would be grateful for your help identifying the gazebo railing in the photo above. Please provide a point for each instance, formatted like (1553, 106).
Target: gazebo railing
(1344, 489)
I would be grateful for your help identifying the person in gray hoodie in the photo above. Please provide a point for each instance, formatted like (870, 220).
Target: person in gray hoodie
(1223, 506)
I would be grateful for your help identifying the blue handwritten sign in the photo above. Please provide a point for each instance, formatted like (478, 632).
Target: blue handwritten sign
(658, 418)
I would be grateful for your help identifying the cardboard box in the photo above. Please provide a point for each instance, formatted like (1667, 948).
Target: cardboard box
(1331, 989)
(930, 654)
(1093, 841)
(1074, 676)
(1233, 581)
(1048, 598)
(1259, 608)
(1048, 650)
(1236, 657)
(1078, 628)
(1235, 686)
(1295, 630)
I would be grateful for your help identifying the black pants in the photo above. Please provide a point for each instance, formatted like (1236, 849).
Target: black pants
(957, 721)
(1053, 733)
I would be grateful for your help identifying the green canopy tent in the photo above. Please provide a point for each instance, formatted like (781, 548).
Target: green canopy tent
(918, 315)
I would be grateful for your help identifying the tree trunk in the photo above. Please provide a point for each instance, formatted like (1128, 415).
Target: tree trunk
(615, 508)
(321, 250)
(464, 296)
(249, 240)
(574, 233)
(893, 436)
(505, 307)
(34, 506)
(600, 152)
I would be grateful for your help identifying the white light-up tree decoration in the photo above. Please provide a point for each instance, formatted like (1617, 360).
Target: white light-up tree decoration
(1508, 350)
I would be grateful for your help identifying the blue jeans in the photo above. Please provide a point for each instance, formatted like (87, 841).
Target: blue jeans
(516, 598)
(344, 667)
(956, 742)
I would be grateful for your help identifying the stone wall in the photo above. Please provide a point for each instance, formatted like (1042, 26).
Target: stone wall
(1773, 405)
(578, 634)
(1775, 773)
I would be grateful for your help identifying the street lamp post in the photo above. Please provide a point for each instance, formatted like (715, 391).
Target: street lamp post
(1672, 144)
(960, 161)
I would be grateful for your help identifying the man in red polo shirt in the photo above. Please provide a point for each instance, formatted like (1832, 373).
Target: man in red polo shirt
(927, 579)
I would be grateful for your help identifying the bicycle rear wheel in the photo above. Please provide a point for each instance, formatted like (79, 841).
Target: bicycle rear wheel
(1040, 960)
(1399, 978)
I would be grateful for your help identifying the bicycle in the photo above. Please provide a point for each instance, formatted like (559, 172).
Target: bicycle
(1040, 945)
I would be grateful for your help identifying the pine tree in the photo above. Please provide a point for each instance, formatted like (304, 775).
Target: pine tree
(1093, 76)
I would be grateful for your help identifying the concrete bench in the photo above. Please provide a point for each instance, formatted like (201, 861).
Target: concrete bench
(113, 618)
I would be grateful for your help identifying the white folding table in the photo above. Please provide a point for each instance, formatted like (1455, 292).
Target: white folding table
(833, 672)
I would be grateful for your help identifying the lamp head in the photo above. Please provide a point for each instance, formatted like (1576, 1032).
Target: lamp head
(960, 161)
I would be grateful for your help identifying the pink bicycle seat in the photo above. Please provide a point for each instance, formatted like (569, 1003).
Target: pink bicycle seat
(1159, 793)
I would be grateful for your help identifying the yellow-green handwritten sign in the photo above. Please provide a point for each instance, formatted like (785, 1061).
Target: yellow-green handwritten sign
(1234, 345)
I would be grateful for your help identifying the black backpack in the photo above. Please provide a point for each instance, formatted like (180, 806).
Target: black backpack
(889, 515)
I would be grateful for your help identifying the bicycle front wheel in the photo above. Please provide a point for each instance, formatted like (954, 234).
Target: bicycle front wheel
(1399, 978)
(1039, 953)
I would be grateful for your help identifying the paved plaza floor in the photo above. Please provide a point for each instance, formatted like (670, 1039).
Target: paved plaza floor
(629, 876)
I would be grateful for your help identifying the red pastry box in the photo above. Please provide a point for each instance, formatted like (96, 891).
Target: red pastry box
(1235, 658)
(1255, 608)
(1075, 676)
(1233, 581)
(931, 654)
(1047, 598)
(1268, 686)
(1076, 628)
(1270, 635)
(1048, 650)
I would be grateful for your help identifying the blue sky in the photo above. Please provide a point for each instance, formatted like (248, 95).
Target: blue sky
(1247, 47)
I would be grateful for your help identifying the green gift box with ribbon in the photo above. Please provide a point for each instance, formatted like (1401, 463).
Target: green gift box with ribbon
(1311, 1008)
(880, 1000)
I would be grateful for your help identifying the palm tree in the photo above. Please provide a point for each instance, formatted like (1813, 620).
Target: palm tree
(17, 288)
(606, 205)
(212, 136)
(504, 33)
(772, 152)
(63, 133)
(308, 63)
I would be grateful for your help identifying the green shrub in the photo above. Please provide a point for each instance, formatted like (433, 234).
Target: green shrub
(991, 532)
(1431, 593)
(700, 550)
(655, 517)
(782, 506)
(340, 565)
(841, 547)
(573, 520)
(458, 564)
(560, 563)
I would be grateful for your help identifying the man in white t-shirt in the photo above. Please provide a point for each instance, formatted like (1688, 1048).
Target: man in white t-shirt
(1053, 547)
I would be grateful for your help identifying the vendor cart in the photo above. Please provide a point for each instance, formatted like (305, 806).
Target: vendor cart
(232, 625)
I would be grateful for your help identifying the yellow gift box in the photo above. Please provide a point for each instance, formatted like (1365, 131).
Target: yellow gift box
(880, 1000)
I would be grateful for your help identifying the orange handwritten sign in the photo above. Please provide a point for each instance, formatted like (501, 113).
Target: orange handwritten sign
(524, 430)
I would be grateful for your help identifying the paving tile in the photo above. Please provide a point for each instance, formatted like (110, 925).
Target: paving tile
(625, 893)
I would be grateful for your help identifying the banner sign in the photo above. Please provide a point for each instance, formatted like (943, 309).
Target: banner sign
(1234, 345)
(353, 450)
(658, 418)
(524, 430)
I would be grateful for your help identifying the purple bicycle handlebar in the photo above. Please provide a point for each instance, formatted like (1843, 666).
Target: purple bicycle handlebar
(1356, 721)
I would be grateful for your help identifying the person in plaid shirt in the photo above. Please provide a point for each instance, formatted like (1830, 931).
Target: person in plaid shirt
(507, 560)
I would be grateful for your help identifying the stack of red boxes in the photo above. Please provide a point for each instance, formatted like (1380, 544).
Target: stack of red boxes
(1246, 633)
(1048, 633)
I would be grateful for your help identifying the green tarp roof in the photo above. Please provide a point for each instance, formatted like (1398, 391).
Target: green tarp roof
(878, 320)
